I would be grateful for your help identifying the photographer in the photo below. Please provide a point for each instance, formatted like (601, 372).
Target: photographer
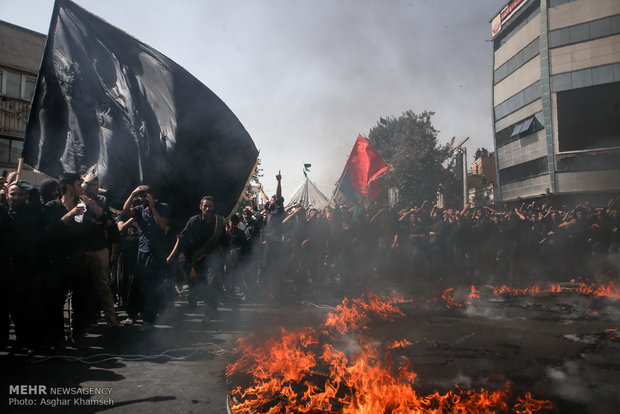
(152, 218)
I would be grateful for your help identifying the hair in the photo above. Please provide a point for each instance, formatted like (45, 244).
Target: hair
(47, 187)
(234, 218)
(205, 198)
(23, 185)
(66, 179)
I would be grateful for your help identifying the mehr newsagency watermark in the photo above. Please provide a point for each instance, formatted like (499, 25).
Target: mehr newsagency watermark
(44, 396)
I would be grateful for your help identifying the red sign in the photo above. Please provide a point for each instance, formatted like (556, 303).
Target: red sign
(507, 12)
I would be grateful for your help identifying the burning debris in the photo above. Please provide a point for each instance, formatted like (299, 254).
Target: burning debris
(611, 291)
(323, 370)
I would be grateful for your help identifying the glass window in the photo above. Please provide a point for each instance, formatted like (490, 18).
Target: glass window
(556, 3)
(13, 85)
(531, 93)
(559, 37)
(522, 171)
(579, 32)
(29, 85)
(1, 77)
(526, 126)
(600, 28)
(616, 69)
(517, 129)
(540, 118)
(16, 150)
(5, 145)
(615, 24)
(500, 73)
(602, 74)
(517, 101)
(531, 50)
(581, 78)
(561, 82)
(515, 62)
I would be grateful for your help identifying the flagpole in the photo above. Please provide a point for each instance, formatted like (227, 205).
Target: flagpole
(20, 164)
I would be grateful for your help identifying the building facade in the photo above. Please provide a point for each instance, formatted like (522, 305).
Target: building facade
(21, 51)
(481, 181)
(556, 98)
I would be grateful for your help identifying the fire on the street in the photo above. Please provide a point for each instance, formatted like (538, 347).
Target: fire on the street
(324, 370)
(610, 291)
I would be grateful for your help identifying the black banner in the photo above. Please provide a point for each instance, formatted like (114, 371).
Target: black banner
(108, 103)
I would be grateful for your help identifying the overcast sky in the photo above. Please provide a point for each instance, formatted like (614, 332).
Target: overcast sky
(305, 77)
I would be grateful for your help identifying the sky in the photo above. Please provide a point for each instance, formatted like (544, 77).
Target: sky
(305, 77)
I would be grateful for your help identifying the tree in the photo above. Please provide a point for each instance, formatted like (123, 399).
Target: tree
(418, 165)
(249, 190)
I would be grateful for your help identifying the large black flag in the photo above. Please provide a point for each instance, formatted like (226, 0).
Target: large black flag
(108, 103)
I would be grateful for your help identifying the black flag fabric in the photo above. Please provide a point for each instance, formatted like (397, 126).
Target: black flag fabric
(107, 103)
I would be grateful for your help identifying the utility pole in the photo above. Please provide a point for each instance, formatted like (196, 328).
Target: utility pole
(461, 151)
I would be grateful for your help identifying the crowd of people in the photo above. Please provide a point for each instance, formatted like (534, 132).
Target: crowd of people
(62, 243)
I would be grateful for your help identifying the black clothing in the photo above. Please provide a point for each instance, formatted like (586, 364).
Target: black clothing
(67, 246)
(197, 231)
(152, 238)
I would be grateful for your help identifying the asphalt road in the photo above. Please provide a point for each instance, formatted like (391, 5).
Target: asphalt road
(562, 347)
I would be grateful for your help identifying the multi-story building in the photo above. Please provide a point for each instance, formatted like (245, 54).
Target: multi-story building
(556, 98)
(481, 181)
(21, 51)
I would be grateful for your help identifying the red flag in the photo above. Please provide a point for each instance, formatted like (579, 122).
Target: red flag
(363, 166)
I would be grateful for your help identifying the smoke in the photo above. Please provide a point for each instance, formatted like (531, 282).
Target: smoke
(583, 383)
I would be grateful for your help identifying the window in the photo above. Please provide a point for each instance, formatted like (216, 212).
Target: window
(589, 118)
(518, 100)
(528, 126)
(587, 77)
(579, 32)
(10, 150)
(582, 32)
(5, 149)
(523, 171)
(29, 84)
(15, 85)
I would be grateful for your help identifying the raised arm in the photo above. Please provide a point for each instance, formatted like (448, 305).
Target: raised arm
(279, 187)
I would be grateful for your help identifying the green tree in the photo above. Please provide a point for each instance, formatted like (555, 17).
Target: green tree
(418, 164)
(248, 191)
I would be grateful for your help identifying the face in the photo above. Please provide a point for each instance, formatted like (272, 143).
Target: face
(16, 196)
(207, 207)
(75, 189)
(55, 193)
(91, 188)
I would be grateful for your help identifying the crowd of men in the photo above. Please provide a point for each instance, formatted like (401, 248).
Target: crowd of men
(62, 243)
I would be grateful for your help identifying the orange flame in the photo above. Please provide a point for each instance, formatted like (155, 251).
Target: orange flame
(474, 294)
(300, 372)
(352, 314)
(610, 291)
(399, 344)
(449, 299)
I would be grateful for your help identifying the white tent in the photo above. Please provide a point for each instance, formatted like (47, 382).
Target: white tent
(308, 195)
